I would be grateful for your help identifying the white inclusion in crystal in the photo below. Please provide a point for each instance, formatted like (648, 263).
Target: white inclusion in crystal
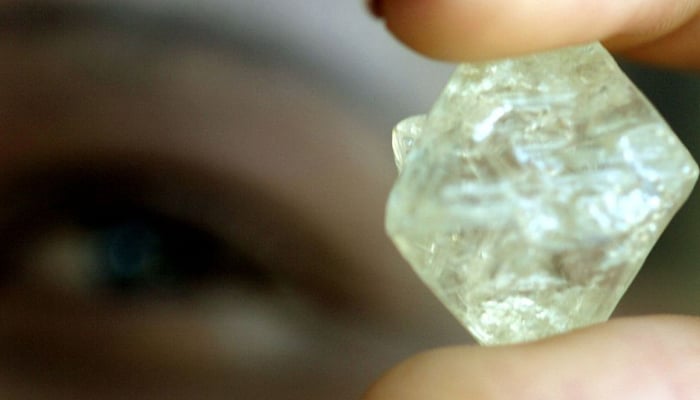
(483, 129)
(533, 191)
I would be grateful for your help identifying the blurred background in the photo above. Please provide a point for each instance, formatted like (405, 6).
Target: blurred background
(192, 199)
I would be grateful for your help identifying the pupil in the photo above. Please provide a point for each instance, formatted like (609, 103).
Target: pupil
(138, 251)
(132, 256)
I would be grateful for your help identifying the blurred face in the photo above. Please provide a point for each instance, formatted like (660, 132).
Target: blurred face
(184, 214)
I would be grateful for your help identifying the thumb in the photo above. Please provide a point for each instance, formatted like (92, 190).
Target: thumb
(637, 359)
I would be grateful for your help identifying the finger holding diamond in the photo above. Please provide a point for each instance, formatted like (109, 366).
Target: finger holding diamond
(646, 358)
(659, 31)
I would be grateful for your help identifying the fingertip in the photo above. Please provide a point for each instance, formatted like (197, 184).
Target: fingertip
(643, 358)
(476, 30)
(442, 374)
(375, 7)
(427, 27)
(459, 30)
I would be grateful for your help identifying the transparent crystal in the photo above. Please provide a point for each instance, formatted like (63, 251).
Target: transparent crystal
(531, 194)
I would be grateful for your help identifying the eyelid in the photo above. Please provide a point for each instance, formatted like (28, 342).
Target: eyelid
(319, 173)
(241, 215)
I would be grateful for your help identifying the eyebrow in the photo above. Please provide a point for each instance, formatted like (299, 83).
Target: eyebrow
(153, 27)
(163, 29)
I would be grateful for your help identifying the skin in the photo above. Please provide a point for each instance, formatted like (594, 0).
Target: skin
(654, 31)
(203, 132)
(654, 357)
(264, 158)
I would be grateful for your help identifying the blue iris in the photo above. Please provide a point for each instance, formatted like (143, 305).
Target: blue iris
(132, 254)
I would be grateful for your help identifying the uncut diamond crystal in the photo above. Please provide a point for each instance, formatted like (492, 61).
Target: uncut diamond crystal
(531, 194)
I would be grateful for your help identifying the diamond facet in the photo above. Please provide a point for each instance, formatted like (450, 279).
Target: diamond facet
(531, 194)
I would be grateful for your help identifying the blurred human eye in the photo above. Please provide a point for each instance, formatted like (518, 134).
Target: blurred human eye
(183, 216)
(109, 278)
(99, 233)
(191, 203)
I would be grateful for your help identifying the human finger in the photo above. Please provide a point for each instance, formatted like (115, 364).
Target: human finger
(646, 358)
(660, 31)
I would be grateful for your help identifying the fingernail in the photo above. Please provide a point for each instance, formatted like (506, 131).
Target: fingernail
(375, 7)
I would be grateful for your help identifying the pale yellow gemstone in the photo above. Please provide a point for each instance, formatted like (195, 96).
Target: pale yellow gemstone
(531, 194)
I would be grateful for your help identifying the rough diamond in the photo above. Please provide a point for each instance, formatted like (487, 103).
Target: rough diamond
(531, 194)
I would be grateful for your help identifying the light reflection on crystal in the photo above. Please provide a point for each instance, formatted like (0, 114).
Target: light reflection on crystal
(404, 136)
(533, 191)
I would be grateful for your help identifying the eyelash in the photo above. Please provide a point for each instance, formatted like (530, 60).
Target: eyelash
(134, 248)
